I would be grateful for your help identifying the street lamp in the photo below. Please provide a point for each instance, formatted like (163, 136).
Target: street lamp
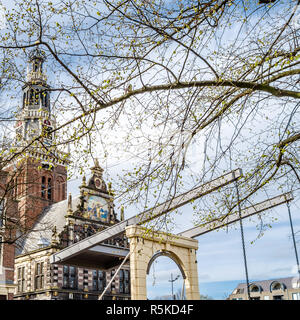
(173, 280)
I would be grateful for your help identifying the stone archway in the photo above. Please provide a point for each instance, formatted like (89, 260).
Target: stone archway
(169, 255)
(145, 246)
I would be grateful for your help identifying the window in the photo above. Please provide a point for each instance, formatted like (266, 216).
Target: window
(99, 280)
(121, 281)
(254, 288)
(238, 291)
(35, 66)
(70, 278)
(31, 96)
(49, 190)
(63, 190)
(43, 187)
(1, 244)
(113, 284)
(21, 279)
(24, 99)
(266, 298)
(296, 296)
(276, 286)
(277, 297)
(124, 283)
(39, 275)
(1, 213)
(46, 97)
(58, 189)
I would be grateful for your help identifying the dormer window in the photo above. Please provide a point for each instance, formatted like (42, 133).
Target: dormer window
(277, 286)
(254, 288)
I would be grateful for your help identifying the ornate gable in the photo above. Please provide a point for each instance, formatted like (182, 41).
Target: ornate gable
(96, 182)
(96, 202)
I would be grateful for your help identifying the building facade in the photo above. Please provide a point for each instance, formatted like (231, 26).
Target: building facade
(59, 226)
(277, 289)
(47, 221)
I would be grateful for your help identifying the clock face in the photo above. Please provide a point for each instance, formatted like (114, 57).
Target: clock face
(97, 209)
(97, 183)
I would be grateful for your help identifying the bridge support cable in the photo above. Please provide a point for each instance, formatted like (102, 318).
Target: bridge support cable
(294, 241)
(243, 239)
(113, 277)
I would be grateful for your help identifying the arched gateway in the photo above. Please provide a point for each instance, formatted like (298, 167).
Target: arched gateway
(145, 246)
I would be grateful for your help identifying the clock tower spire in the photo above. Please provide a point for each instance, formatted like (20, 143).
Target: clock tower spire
(35, 119)
(41, 177)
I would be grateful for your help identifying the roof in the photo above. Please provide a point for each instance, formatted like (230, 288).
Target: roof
(289, 283)
(52, 216)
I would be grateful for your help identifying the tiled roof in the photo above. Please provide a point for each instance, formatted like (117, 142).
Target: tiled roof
(53, 215)
(289, 283)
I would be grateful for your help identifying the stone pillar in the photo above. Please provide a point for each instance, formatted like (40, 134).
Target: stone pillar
(138, 267)
(144, 244)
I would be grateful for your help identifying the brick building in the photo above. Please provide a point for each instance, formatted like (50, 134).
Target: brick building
(8, 209)
(45, 221)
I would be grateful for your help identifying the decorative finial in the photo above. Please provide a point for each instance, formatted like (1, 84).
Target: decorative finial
(97, 169)
(110, 190)
(84, 181)
(96, 162)
(54, 240)
(122, 214)
(70, 211)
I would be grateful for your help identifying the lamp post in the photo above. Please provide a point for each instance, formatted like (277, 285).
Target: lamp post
(173, 280)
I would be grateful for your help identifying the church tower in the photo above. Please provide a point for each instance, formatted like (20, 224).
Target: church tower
(39, 172)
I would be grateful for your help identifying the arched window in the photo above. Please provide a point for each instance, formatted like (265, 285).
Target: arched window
(43, 187)
(36, 96)
(35, 66)
(63, 190)
(24, 99)
(47, 101)
(49, 189)
(254, 288)
(277, 286)
(60, 189)
(42, 98)
(31, 96)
